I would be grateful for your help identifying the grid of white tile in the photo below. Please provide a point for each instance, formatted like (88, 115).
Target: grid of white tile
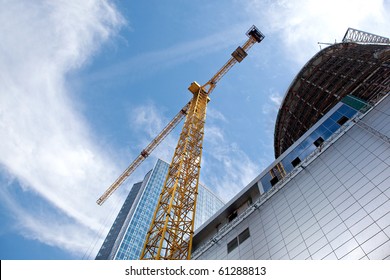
(338, 207)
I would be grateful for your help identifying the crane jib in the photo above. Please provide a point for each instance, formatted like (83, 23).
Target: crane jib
(170, 233)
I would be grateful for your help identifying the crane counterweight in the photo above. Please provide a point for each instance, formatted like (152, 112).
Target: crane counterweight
(194, 87)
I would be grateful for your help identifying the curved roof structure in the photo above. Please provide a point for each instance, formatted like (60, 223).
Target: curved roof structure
(362, 70)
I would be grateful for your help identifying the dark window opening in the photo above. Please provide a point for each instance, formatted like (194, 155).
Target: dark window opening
(243, 236)
(232, 245)
(342, 120)
(318, 142)
(274, 180)
(296, 162)
(232, 216)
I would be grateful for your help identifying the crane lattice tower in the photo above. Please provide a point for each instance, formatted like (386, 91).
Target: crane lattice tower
(172, 227)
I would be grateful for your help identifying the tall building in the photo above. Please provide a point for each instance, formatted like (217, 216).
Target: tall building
(117, 230)
(127, 235)
(327, 194)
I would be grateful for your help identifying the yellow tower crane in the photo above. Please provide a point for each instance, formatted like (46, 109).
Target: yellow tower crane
(170, 233)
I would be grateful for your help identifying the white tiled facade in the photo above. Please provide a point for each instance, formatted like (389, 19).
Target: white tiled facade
(336, 207)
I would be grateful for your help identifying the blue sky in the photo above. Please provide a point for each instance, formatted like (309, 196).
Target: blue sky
(85, 85)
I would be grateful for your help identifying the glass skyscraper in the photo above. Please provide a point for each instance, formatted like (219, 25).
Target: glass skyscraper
(127, 235)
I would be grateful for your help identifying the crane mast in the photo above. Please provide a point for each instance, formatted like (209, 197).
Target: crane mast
(172, 228)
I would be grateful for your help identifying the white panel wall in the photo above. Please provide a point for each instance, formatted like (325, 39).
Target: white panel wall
(338, 207)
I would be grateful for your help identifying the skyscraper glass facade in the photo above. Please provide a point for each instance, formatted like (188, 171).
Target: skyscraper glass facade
(142, 201)
(117, 230)
(133, 241)
(206, 205)
(324, 128)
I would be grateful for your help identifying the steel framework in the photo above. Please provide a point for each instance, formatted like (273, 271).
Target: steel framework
(362, 70)
(358, 36)
(144, 154)
(237, 56)
(172, 228)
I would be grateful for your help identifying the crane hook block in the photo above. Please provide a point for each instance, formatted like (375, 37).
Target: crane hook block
(255, 33)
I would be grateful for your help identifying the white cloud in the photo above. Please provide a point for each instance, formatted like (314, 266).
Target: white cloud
(150, 120)
(269, 111)
(152, 61)
(213, 114)
(214, 134)
(271, 107)
(147, 118)
(46, 144)
(276, 99)
(226, 168)
(300, 24)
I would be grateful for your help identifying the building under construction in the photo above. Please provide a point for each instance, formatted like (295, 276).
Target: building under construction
(327, 194)
(359, 66)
